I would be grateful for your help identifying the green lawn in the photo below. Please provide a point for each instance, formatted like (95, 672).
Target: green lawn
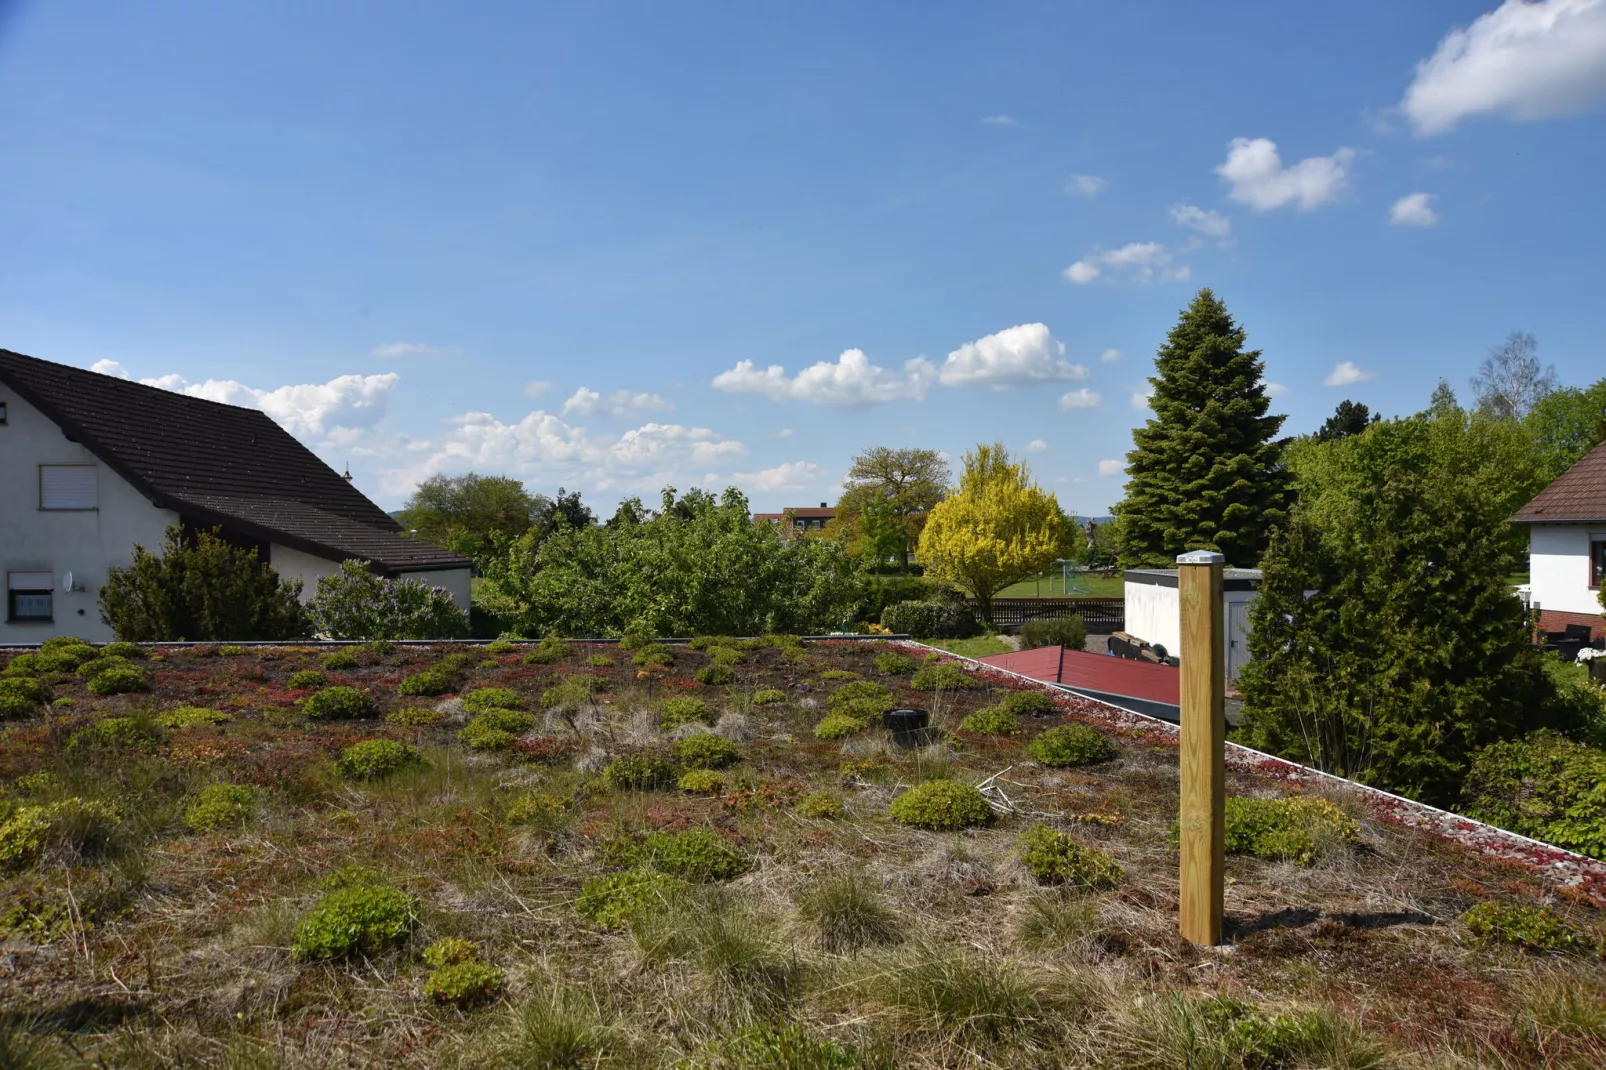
(980, 647)
(1098, 587)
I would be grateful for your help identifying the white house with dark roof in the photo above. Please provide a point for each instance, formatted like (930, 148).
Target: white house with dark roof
(91, 464)
(1566, 525)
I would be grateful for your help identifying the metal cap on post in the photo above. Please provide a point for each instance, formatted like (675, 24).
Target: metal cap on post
(1203, 758)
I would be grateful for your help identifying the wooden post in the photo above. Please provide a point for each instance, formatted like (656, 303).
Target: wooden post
(1204, 709)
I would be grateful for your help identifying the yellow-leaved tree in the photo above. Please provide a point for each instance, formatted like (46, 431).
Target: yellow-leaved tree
(999, 528)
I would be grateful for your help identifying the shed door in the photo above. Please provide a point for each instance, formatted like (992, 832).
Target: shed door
(1237, 638)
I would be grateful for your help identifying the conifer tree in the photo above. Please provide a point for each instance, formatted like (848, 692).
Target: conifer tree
(1206, 471)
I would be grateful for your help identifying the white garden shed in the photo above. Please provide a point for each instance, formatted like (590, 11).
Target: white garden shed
(1154, 615)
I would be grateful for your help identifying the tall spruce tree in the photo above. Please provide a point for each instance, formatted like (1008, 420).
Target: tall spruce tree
(1207, 470)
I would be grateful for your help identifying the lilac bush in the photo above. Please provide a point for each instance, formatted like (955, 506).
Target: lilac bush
(357, 604)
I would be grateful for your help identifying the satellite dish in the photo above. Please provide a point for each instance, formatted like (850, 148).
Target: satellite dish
(66, 582)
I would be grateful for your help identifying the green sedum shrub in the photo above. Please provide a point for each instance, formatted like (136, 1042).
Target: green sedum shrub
(338, 703)
(705, 750)
(218, 806)
(728, 656)
(1532, 928)
(480, 734)
(838, 674)
(654, 655)
(233, 650)
(768, 696)
(373, 759)
(702, 782)
(516, 721)
(81, 824)
(600, 661)
(1055, 858)
(616, 899)
(1070, 745)
(450, 949)
(306, 680)
(121, 650)
(638, 772)
(363, 919)
(894, 664)
(867, 691)
(436, 681)
(942, 676)
(492, 698)
(572, 692)
(548, 651)
(1293, 828)
(821, 804)
(695, 855)
(674, 712)
(941, 805)
(537, 808)
(413, 716)
(715, 675)
(1029, 704)
(840, 726)
(338, 660)
(465, 985)
(190, 716)
(992, 721)
(114, 733)
(500, 646)
(120, 680)
(95, 666)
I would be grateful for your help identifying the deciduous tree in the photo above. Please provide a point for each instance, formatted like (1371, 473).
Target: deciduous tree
(470, 513)
(1206, 470)
(888, 494)
(998, 528)
(1511, 381)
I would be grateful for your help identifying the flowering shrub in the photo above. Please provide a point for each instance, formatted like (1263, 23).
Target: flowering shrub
(357, 604)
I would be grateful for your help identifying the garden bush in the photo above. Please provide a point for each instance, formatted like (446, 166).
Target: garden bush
(25, 689)
(1068, 632)
(95, 666)
(373, 759)
(306, 680)
(992, 721)
(716, 675)
(820, 804)
(1524, 925)
(895, 664)
(355, 603)
(337, 660)
(768, 696)
(616, 899)
(1070, 745)
(363, 919)
(500, 646)
(548, 651)
(941, 805)
(121, 650)
(219, 806)
(839, 726)
(15, 707)
(701, 782)
(938, 619)
(704, 751)
(638, 772)
(942, 676)
(120, 680)
(436, 681)
(339, 703)
(1029, 704)
(673, 712)
(115, 733)
(201, 589)
(1543, 786)
(1296, 828)
(1053, 857)
(190, 716)
(492, 698)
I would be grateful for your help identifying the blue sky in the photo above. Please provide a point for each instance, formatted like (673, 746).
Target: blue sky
(543, 240)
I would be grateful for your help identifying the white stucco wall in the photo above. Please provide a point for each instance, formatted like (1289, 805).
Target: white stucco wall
(1558, 566)
(455, 580)
(296, 564)
(84, 543)
(1154, 615)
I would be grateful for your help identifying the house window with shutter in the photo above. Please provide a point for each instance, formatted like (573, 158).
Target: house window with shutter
(28, 596)
(67, 486)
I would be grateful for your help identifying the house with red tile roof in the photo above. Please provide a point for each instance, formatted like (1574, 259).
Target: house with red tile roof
(91, 464)
(797, 520)
(1567, 545)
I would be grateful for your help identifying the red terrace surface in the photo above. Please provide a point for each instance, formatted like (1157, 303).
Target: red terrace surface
(1096, 672)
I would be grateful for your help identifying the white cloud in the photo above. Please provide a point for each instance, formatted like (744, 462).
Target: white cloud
(109, 367)
(1036, 445)
(1109, 356)
(851, 382)
(793, 475)
(1523, 60)
(587, 402)
(1275, 390)
(1140, 398)
(1413, 210)
(1111, 468)
(1080, 399)
(1348, 373)
(410, 349)
(1085, 185)
(785, 432)
(1260, 180)
(1014, 356)
(536, 387)
(1205, 221)
(1000, 120)
(1141, 262)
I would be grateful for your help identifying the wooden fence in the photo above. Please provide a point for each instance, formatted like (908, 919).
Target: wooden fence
(1098, 614)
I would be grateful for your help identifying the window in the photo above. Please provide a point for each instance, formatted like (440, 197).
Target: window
(66, 486)
(28, 596)
(1597, 561)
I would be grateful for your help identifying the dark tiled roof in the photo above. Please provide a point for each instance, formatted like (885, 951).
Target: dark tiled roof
(1577, 495)
(810, 513)
(218, 463)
